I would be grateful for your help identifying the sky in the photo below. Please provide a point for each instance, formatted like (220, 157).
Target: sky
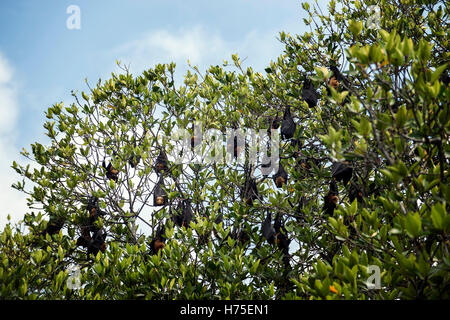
(42, 60)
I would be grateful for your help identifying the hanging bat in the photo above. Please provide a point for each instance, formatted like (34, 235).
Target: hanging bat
(161, 162)
(331, 200)
(288, 125)
(111, 172)
(341, 171)
(134, 161)
(94, 212)
(309, 93)
(54, 225)
(268, 231)
(281, 238)
(250, 190)
(92, 205)
(336, 78)
(355, 192)
(159, 194)
(85, 237)
(184, 214)
(97, 243)
(158, 241)
(280, 177)
(444, 77)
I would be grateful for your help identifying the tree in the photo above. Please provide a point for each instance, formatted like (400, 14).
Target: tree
(366, 186)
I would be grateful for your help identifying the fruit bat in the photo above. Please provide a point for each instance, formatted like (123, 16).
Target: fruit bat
(288, 125)
(158, 241)
(159, 194)
(94, 212)
(330, 201)
(335, 79)
(280, 177)
(281, 238)
(111, 172)
(341, 171)
(97, 243)
(134, 161)
(184, 214)
(250, 190)
(85, 237)
(355, 192)
(54, 225)
(268, 231)
(309, 93)
(92, 205)
(336, 73)
(161, 162)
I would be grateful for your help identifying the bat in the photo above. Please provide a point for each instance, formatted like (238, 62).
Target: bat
(158, 241)
(280, 177)
(184, 214)
(282, 239)
(331, 199)
(355, 192)
(309, 93)
(159, 194)
(268, 231)
(288, 125)
(341, 171)
(54, 225)
(111, 172)
(161, 162)
(85, 237)
(250, 190)
(134, 161)
(97, 243)
(94, 212)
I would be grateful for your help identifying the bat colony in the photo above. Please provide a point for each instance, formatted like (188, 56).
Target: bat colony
(93, 236)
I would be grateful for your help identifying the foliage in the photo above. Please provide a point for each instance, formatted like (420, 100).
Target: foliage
(385, 115)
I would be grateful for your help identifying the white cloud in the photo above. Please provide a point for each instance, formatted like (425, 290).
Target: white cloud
(12, 201)
(202, 47)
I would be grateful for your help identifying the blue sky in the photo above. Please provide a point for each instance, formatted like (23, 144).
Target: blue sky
(41, 60)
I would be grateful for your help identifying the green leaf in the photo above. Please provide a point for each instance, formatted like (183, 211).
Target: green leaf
(438, 216)
(413, 224)
(400, 117)
(437, 73)
(355, 27)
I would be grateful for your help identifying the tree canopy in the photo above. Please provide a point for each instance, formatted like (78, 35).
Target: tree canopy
(361, 186)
